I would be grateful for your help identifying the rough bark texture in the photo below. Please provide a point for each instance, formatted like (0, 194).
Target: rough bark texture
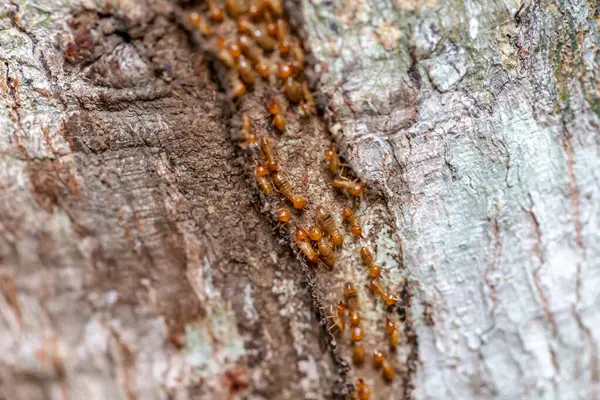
(137, 260)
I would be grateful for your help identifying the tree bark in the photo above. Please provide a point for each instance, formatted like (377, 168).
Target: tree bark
(138, 259)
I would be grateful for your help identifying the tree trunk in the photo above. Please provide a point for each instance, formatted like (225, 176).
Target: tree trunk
(138, 259)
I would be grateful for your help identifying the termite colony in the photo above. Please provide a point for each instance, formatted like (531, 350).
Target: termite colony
(262, 65)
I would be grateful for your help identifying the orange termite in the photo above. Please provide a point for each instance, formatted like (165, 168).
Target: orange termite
(245, 70)
(334, 160)
(275, 6)
(305, 246)
(286, 189)
(326, 222)
(237, 87)
(355, 188)
(284, 71)
(214, 11)
(263, 39)
(358, 353)
(279, 122)
(315, 233)
(357, 334)
(355, 227)
(267, 150)
(255, 8)
(283, 215)
(223, 54)
(249, 49)
(283, 36)
(235, 8)
(350, 296)
(378, 287)
(363, 391)
(338, 317)
(387, 371)
(377, 358)
(262, 180)
(198, 22)
(308, 105)
(326, 253)
(393, 333)
(274, 105)
(354, 318)
(292, 89)
(247, 134)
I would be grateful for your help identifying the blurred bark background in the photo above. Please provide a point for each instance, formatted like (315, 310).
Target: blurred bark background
(135, 262)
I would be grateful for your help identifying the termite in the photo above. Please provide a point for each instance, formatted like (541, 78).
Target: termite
(338, 317)
(292, 89)
(369, 259)
(357, 334)
(355, 188)
(363, 391)
(198, 22)
(279, 122)
(223, 54)
(286, 189)
(305, 246)
(334, 160)
(350, 296)
(255, 8)
(274, 105)
(377, 358)
(283, 215)
(249, 49)
(315, 233)
(245, 70)
(355, 227)
(284, 71)
(267, 150)
(326, 253)
(358, 354)
(247, 134)
(262, 180)
(283, 37)
(326, 222)
(378, 287)
(387, 371)
(354, 318)
(392, 331)
(237, 86)
(308, 105)
(214, 11)
(235, 8)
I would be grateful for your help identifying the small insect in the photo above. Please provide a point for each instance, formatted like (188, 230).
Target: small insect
(338, 317)
(267, 150)
(285, 188)
(279, 122)
(247, 134)
(308, 105)
(326, 253)
(363, 391)
(326, 222)
(214, 11)
(274, 105)
(392, 331)
(354, 318)
(245, 70)
(283, 215)
(262, 180)
(275, 6)
(334, 160)
(387, 371)
(358, 354)
(237, 87)
(198, 22)
(355, 188)
(284, 71)
(305, 246)
(350, 296)
(223, 54)
(235, 8)
(298, 54)
(378, 287)
(292, 89)
(234, 49)
(283, 37)
(263, 39)
(256, 8)
(355, 227)
(357, 334)
(377, 358)
(249, 48)
(315, 233)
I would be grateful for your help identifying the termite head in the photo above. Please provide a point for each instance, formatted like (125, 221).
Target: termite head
(357, 334)
(358, 189)
(301, 234)
(337, 239)
(362, 390)
(390, 326)
(340, 308)
(315, 233)
(354, 318)
(330, 154)
(349, 290)
(261, 170)
(272, 166)
(377, 358)
(284, 215)
(299, 201)
(347, 212)
(274, 105)
(390, 299)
